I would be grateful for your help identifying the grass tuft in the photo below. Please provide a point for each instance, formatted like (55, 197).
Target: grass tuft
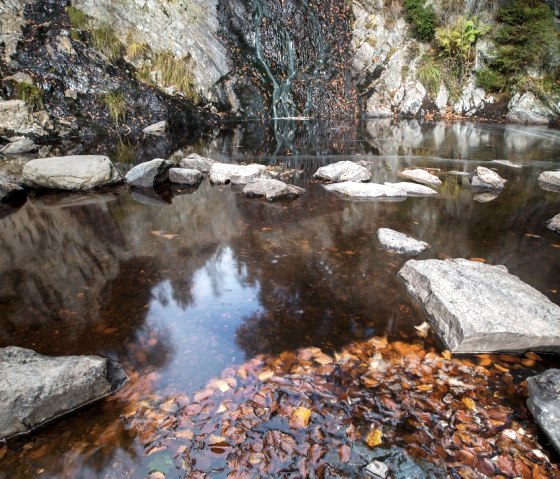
(429, 74)
(30, 94)
(106, 42)
(115, 102)
(176, 73)
(78, 19)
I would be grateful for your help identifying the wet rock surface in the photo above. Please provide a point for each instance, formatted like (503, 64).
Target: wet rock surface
(9, 188)
(197, 162)
(222, 173)
(343, 171)
(554, 223)
(78, 172)
(420, 176)
(185, 176)
(550, 179)
(149, 173)
(413, 189)
(400, 243)
(476, 307)
(272, 190)
(486, 179)
(366, 190)
(35, 389)
(544, 403)
(525, 107)
(19, 146)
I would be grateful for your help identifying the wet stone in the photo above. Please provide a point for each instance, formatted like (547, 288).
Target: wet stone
(399, 243)
(413, 189)
(550, 180)
(9, 188)
(544, 403)
(222, 173)
(343, 171)
(197, 162)
(272, 190)
(554, 223)
(149, 173)
(487, 179)
(185, 176)
(366, 191)
(19, 146)
(420, 176)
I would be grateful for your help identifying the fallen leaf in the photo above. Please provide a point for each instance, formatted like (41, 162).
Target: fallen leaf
(300, 417)
(374, 438)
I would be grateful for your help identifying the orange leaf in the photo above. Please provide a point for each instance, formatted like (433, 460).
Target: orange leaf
(374, 438)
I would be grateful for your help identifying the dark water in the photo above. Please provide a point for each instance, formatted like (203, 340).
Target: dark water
(182, 284)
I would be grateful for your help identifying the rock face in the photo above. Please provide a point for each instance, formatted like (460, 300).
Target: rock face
(222, 173)
(413, 189)
(342, 171)
(149, 173)
(35, 389)
(544, 403)
(420, 176)
(272, 190)
(9, 188)
(17, 119)
(476, 307)
(156, 129)
(400, 243)
(527, 108)
(366, 190)
(197, 162)
(487, 179)
(80, 172)
(185, 176)
(550, 179)
(554, 223)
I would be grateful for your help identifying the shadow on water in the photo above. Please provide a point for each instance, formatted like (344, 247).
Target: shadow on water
(180, 284)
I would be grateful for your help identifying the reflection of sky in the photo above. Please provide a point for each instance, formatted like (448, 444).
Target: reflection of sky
(203, 333)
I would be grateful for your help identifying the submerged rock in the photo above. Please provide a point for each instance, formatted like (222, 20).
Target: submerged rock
(400, 243)
(413, 189)
(18, 146)
(185, 176)
(35, 389)
(476, 307)
(9, 188)
(222, 173)
(486, 196)
(272, 189)
(366, 190)
(544, 403)
(79, 172)
(157, 129)
(550, 180)
(487, 179)
(197, 162)
(420, 176)
(554, 223)
(511, 164)
(149, 173)
(343, 171)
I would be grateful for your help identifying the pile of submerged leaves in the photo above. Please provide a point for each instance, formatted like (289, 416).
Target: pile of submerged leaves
(376, 404)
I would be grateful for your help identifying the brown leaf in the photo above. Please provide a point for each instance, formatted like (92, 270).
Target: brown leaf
(300, 417)
(344, 453)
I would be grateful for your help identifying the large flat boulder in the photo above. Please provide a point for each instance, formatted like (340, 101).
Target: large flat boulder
(544, 403)
(75, 173)
(399, 243)
(149, 174)
(222, 173)
(197, 162)
(413, 189)
(272, 190)
(185, 176)
(420, 176)
(343, 171)
(476, 307)
(35, 389)
(366, 191)
(550, 180)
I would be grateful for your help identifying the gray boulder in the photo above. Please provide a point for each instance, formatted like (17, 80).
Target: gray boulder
(527, 108)
(149, 173)
(477, 308)
(17, 119)
(18, 146)
(79, 172)
(420, 176)
(197, 162)
(544, 403)
(343, 171)
(272, 189)
(366, 191)
(9, 188)
(399, 243)
(554, 223)
(157, 129)
(487, 179)
(35, 389)
(413, 189)
(222, 173)
(185, 176)
(550, 180)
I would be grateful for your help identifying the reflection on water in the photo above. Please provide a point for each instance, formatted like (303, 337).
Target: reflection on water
(182, 284)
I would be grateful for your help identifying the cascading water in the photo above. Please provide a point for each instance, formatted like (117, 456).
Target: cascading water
(291, 57)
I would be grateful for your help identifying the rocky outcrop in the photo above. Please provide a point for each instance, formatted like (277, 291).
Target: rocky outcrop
(16, 118)
(80, 172)
(544, 403)
(342, 171)
(185, 176)
(222, 173)
(550, 180)
(420, 176)
(272, 190)
(366, 190)
(18, 146)
(527, 108)
(197, 162)
(399, 243)
(476, 307)
(413, 189)
(149, 173)
(554, 223)
(35, 389)
(486, 179)
(9, 188)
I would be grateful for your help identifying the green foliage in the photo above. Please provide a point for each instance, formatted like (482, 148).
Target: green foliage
(30, 94)
(421, 17)
(176, 73)
(115, 102)
(491, 80)
(78, 19)
(457, 40)
(429, 74)
(105, 41)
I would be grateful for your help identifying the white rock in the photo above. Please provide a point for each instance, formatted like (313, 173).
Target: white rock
(507, 163)
(343, 171)
(185, 176)
(149, 173)
(550, 179)
(366, 190)
(487, 179)
(554, 223)
(272, 189)
(222, 173)
(420, 176)
(19, 146)
(413, 189)
(197, 162)
(400, 243)
(527, 108)
(156, 129)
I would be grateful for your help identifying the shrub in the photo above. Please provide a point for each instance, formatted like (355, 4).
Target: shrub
(30, 94)
(422, 19)
(457, 41)
(105, 41)
(429, 74)
(115, 102)
(491, 80)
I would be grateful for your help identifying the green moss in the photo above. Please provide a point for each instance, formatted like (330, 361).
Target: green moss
(30, 94)
(429, 74)
(491, 80)
(115, 102)
(106, 42)
(421, 17)
(78, 19)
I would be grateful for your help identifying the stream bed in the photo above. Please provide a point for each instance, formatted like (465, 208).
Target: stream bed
(183, 286)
